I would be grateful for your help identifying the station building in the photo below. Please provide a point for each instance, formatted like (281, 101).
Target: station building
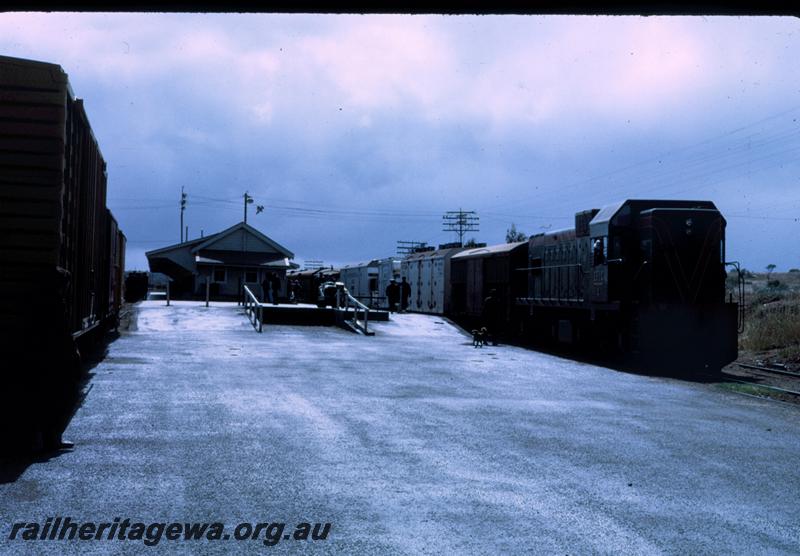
(230, 259)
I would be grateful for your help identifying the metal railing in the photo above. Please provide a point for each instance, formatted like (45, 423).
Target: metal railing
(253, 309)
(372, 300)
(740, 294)
(346, 301)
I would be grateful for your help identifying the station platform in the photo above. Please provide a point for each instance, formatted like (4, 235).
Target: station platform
(409, 442)
(308, 314)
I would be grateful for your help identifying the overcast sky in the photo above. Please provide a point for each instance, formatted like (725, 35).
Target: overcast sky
(355, 132)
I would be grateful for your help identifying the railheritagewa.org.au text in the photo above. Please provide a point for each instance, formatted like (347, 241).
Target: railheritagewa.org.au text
(151, 533)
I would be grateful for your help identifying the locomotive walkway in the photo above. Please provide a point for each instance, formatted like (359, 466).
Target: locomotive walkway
(409, 442)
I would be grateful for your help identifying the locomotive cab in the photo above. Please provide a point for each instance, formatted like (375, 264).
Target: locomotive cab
(680, 287)
(658, 280)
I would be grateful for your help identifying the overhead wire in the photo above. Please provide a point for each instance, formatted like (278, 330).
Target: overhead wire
(666, 154)
(762, 150)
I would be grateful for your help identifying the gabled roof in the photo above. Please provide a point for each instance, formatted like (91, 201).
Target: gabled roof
(189, 243)
(209, 241)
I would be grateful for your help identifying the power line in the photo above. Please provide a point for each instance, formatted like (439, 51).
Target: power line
(747, 144)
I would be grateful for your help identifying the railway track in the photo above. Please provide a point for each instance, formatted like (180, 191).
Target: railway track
(769, 370)
(776, 389)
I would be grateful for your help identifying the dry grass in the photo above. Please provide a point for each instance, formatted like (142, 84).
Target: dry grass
(790, 354)
(772, 321)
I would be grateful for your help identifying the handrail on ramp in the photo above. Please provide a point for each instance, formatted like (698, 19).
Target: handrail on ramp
(346, 301)
(253, 309)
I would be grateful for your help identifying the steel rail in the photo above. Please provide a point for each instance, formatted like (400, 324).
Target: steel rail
(756, 384)
(769, 370)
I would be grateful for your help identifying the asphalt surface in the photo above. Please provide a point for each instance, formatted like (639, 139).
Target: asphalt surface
(408, 442)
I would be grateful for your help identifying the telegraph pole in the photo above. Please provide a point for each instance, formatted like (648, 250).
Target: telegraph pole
(247, 200)
(460, 222)
(183, 208)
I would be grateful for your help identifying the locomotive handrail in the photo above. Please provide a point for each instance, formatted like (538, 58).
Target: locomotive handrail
(548, 300)
(740, 294)
(253, 309)
(579, 265)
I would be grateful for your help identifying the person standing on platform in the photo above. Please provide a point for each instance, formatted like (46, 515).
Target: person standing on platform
(405, 294)
(393, 295)
(275, 282)
(266, 287)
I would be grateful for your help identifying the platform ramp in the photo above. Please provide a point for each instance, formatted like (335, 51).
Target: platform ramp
(345, 311)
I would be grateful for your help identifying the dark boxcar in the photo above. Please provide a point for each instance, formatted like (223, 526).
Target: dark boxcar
(476, 273)
(114, 269)
(60, 249)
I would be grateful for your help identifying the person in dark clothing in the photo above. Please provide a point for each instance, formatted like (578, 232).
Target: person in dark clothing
(405, 294)
(266, 288)
(492, 316)
(275, 282)
(393, 295)
(54, 367)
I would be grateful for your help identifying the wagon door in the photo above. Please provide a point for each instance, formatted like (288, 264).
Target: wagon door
(437, 285)
(474, 285)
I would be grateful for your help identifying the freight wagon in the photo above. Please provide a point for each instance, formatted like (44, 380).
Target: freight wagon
(428, 274)
(477, 273)
(61, 250)
(361, 280)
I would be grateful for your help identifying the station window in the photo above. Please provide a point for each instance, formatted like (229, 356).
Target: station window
(251, 276)
(220, 275)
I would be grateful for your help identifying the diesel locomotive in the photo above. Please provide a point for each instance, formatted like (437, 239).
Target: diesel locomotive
(643, 277)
